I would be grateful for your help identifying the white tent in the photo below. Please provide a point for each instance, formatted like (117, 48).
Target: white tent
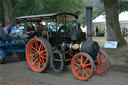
(123, 17)
(99, 19)
(100, 22)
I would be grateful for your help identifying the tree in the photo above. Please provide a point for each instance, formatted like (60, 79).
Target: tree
(7, 12)
(32, 7)
(18, 8)
(1, 13)
(112, 22)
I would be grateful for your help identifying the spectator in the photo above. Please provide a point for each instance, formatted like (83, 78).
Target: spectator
(6, 29)
(10, 29)
(16, 30)
(97, 31)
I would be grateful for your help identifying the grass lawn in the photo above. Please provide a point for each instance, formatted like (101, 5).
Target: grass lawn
(118, 56)
(121, 52)
(101, 40)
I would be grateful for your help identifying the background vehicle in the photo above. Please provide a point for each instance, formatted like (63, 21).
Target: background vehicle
(68, 45)
(9, 45)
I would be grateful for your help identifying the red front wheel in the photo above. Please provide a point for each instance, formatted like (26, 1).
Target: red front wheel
(102, 63)
(38, 53)
(82, 66)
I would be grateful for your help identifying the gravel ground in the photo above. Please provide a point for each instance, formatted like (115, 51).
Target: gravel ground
(16, 72)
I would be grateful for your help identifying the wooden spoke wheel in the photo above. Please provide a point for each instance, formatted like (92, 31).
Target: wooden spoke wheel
(38, 53)
(1, 59)
(2, 56)
(82, 66)
(57, 62)
(102, 63)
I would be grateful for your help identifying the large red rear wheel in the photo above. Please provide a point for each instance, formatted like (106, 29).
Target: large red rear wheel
(102, 63)
(82, 66)
(38, 53)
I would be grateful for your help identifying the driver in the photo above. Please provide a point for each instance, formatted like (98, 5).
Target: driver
(30, 30)
(39, 28)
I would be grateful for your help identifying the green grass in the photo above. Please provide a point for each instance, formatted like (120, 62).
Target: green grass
(118, 53)
(101, 40)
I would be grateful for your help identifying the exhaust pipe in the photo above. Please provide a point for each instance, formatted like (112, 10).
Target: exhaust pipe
(89, 23)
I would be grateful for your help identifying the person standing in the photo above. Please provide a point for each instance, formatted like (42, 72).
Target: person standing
(5, 29)
(97, 31)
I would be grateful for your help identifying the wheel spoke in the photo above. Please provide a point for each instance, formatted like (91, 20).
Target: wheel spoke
(40, 46)
(35, 61)
(34, 58)
(85, 73)
(100, 67)
(76, 63)
(104, 62)
(33, 51)
(76, 68)
(89, 69)
(103, 58)
(78, 59)
(88, 64)
(31, 55)
(42, 61)
(39, 63)
(43, 57)
(85, 61)
(33, 48)
(42, 52)
(78, 71)
(82, 74)
(36, 45)
(81, 59)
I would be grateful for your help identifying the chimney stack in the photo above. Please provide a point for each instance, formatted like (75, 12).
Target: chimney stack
(89, 23)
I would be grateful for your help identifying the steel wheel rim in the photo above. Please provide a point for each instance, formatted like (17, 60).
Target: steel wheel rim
(1, 57)
(102, 63)
(57, 62)
(87, 67)
(36, 55)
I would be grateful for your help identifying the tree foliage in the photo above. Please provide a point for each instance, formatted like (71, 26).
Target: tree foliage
(123, 5)
(31, 7)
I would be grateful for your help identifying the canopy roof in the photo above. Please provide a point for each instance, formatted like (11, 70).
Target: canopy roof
(49, 17)
(123, 17)
(99, 19)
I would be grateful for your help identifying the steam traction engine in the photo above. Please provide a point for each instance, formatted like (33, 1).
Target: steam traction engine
(67, 46)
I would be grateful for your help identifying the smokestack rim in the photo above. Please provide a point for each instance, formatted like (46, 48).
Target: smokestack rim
(89, 7)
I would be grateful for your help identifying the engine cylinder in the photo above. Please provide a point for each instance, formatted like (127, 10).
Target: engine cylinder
(90, 47)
